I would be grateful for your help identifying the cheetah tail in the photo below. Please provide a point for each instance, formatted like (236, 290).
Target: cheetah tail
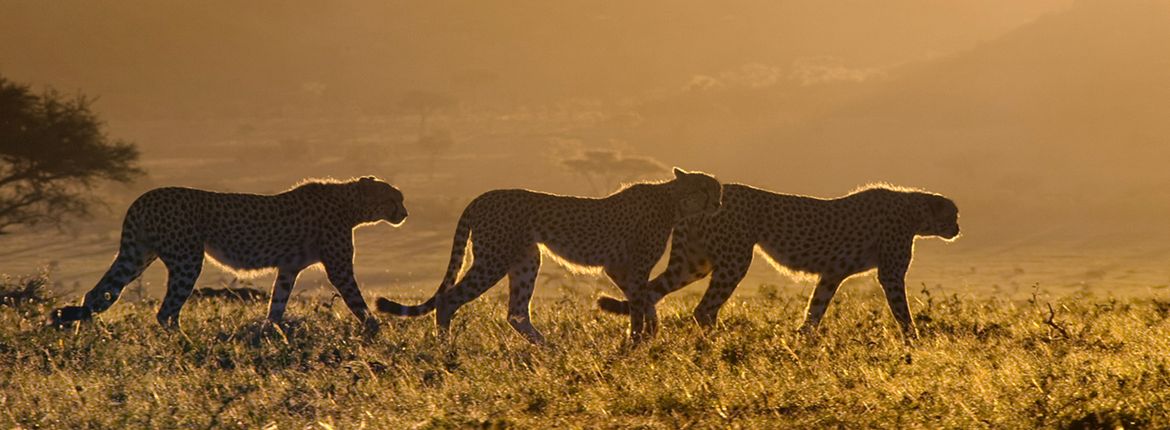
(394, 308)
(458, 249)
(613, 305)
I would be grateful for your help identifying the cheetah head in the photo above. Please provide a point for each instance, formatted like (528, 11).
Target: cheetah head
(940, 218)
(698, 193)
(381, 200)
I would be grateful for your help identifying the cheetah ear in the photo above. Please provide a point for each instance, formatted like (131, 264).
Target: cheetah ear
(678, 173)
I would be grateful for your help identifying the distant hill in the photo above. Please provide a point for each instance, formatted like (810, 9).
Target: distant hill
(1063, 123)
(203, 57)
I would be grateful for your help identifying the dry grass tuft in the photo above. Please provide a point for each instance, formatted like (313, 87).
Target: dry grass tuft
(1086, 362)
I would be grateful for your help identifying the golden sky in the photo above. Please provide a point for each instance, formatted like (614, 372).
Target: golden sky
(1043, 119)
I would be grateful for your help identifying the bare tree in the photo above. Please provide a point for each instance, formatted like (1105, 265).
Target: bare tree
(607, 169)
(425, 103)
(53, 152)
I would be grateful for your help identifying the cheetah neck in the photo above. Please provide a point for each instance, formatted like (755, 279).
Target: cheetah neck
(663, 194)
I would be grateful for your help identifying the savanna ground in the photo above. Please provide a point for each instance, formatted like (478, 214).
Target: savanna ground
(987, 357)
(1077, 361)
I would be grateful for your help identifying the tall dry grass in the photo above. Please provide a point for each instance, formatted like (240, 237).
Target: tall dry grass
(1091, 362)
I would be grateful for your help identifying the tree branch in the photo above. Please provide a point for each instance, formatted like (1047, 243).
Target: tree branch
(1051, 323)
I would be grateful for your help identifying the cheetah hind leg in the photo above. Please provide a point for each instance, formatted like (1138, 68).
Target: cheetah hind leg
(181, 275)
(643, 315)
(648, 308)
(818, 302)
(281, 289)
(482, 275)
(725, 278)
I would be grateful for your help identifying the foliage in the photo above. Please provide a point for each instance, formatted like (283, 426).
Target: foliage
(980, 363)
(53, 151)
(29, 291)
(612, 168)
(425, 103)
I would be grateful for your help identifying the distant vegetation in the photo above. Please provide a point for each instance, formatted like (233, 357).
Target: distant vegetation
(1087, 362)
(606, 170)
(433, 142)
(53, 152)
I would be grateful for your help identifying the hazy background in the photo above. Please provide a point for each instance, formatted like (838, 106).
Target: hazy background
(1046, 120)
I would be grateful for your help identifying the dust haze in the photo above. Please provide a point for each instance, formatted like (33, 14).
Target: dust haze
(1046, 121)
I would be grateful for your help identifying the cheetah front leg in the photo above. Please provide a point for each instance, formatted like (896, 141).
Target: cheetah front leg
(892, 268)
(521, 282)
(338, 262)
(281, 289)
(894, 287)
(643, 317)
(688, 263)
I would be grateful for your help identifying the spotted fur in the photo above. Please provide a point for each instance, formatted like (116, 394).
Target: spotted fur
(832, 239)
(247, 233)
(622, 235)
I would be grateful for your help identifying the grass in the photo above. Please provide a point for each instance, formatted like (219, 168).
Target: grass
(1091, 363)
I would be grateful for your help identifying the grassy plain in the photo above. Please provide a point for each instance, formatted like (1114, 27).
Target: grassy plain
(1086, 362)
(987, 358)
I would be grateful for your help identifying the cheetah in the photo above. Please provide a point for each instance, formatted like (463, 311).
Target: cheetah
(310, 224)
(622, 235)
(873, 228)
